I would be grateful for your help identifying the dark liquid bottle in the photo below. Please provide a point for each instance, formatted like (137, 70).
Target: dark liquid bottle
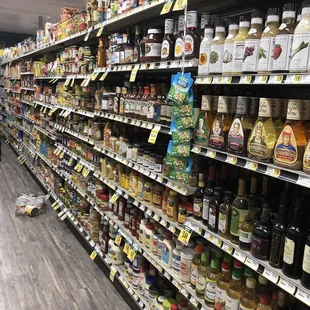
(305, 278)
(255, 209)
(192, 38)
(278, 235)
(293, 245)
(261, 237)
(136, 50)
(214, 209)
(167, 49)
(198, 197)
(208, 194)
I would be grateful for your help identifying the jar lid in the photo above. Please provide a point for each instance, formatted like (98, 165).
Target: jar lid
(187, 254)
(154, 289)
(151, 280)
(159, 31)
(250, 282)
(160, 299)
(149, 226)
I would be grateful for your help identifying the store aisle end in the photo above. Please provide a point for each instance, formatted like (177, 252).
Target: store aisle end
(42, 264)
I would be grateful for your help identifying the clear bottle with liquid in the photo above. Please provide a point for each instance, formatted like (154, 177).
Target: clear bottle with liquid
(249, 298)
(224, 215)
(213, 275)
(202, 274)
(222, 285)
(234, 292)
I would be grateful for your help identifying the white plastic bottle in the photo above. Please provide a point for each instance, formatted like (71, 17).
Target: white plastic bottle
(204, 52)
(176, 257)
(149, 233)
(142, 228)
(167, 249)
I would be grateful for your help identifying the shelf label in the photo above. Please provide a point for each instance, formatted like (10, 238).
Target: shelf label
(268, 274)
(185, 234)
(131, 255)
(290, 288)
(154, 134)
(56, 207)
(251, 165)
(240, 256)
(211, 154)
(303, 181)
(167, 7)
(196, 149)
(118, 239)
(126, 248)
(179, 5)
(273, 172)
(261, 79)
(104, 75)
(87, 35)
(231, 159)
(134, 73)
(112, 273)
(93, 255)
(99, 33)
(64, 217)
(114, 197)
(251, 263)
(275, 79)
(303, 296)
(246, 79)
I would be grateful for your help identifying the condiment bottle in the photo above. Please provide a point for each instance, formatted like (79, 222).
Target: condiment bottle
(264, 303)
(224, 215)
(101, 61)
(284, 39)
(129, 48)
(138, 103)
(290, 146)
(245, 234)
(240, 128)
(221, 125)
(276, 115)
(167, 47)
(167, 250)
(262, 287)
(179, 43)
(214, 209)
(305, 117)
(213, 274)
(198, 197)
(116, 100)
(165, 200)
(263, 136)
(239, 41)
(195, 264)
(192, 37)
(248, 301)
(122, 100)
(172, 206)
(204, 51)
(157, 196)
(300, 48)
(148, 191)
(208, 194)
(153, 45)
(267, 42)
(205, 20)
(151, 102)
(202, 274)
(145, 103)
(251, 45)
(229, 48)
(222, 285)
(217, 48)
(136, 50)
(234, 292)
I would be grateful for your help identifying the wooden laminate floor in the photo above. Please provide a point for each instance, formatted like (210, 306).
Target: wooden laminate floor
(42, 265)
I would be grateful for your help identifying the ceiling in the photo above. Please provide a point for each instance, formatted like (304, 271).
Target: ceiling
(22, 16)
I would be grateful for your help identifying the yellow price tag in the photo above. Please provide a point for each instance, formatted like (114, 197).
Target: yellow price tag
(87, 35)
(45, 109)
(126, 248)
(179, 5)
(167, 7)
(131, 255)
(114, 198)
(279, 79)
(50, 113)
(54, 204)
(104, 75)
(94, 76)
(264, 78)
(112, 273)
(185, 235)
(56, 207)
(228, 79)
(67, 82)
(79, 169)
(72, 82)
(19, 157)
(118, 240)
(297, 78)
(134, 73)
(87, 81)
(153, 134)
(99, 33)
(70, 161)
(64, 217)
(86, 172)
(41, 109)
(93, 255)
(61, 155)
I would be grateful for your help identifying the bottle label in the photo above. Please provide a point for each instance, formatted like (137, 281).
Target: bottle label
(194, 274)
(282, 52)
(220, 297)
(289, 248)
(165, 254)
(176, 262)
(165, 50)
(217, 134)
(236, 136)
(206, 103)
(228, 58)
(201, 282)
(223, 103)
(286, 148)
(238, 56)
(277, 246)
(300, 52)
(250, 55)
(121, 105)
(178, 50)
(129, 58)
(257, 146)
(231, 304)
(265, 107)
(265, 58)
(294, 109)
(216, 58)
(197, 207)
(204, 58)
(135, 54)
(306, 158)
(122, 57)
(152, 49)
(189, 45)
(201, 132)
(306, 260)
(212, 217)
(241, 307)
(260, 246)
(237, 219)
(210, 290)
(223, 221)
(205, 208)
(171, 208)
(245, 236)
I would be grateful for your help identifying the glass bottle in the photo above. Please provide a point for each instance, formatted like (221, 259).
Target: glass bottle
(217, 48)
(249, 300)
(290, 146)
(282, 301)
(284, 39)
(122, 101)
(152, 99)
(240, 209)
(202, 274)
(262, 287)
(263, 137)
(239, 41)
(167, 47)
(205, 20)
(305, 277)
(229, 48)
(221, 125)
(101, 59)
(248, 273)
(214, 209)
(300, 47)
(208, 194)
(213, 274)
(234, 292)
(204, 122)
(195, 264)
(264, 303)
(267, 42)
(254, 203)
(138, 103)
(179, 44)
(157, 106)
(204, 51)
(293, 245)
(116, 100)
(261, 236)
(222, 285)
(142, 46)
(136, 49)
(198, 197)
(192, 37)
(240, 128)
(145, 103)
(251, 45)
(276, 115)
(224, 215)
(278, 235)
(129, 48)
(305, 117)
(245, 234)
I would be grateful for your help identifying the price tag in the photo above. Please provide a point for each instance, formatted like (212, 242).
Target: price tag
(114, 198)
(112, 273)
(303, 181)
(64, 217)
(240, 256)
(126, 248)
(246, 79)
(268, 274)
(99, 33)
(275, 79)
(251, 165)
(185, 234)
(72, 82)
(167, 7)
(118, 239)
(251, 263)
(179, 5)
(218, 80)
(67, 82)
(54, 204)
(134, 72)
(61, 213)
(194, 301)
(93, 255)
(196, 149)
(273, 172)
(261, 79)
(211, 154)
(131, 255)
(290, 288)
(154, 134)
(87, 35)
(104, 75)
(227, 79)
(297, 78)
(303, 296)
(231, 159)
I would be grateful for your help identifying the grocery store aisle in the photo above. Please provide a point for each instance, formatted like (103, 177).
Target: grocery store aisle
(42, 265)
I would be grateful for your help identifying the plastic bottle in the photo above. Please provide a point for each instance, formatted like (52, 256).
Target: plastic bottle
(249, 299)
(186, 264)
(176, 257)
(168, 247)
(148, 237)
(142, 227)
(234, 292)
(195, 263)
(221, 287)
(213, 275)
(201, 274)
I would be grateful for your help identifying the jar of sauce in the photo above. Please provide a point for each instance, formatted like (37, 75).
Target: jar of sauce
(192, 38)
(167, 48)
(153, 45)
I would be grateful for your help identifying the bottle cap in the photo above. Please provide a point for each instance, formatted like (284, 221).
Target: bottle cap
(265, 300)
(225, 266)
(262, 280)
(236, 274)
(205, 256)
(215, 263)
(199, 248)
(250, 282)
(238, 264)
(248, 272)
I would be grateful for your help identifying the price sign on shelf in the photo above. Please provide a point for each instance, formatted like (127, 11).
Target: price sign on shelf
(273, 172)
(112, 273)
(134, 73)
(290, 288)
(167, 7)
(154, 134)
(132, 254)
(251, 263)
(104, 75)
(303, 296)
(126, 248)
(118, 239)
(93, 255)
(251, 165)
(114, 197)
(179, 5)
(87, 34)
(99, 33)
(185, 234)
(268, 274)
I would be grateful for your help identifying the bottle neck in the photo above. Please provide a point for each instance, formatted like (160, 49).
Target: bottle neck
(296, 217)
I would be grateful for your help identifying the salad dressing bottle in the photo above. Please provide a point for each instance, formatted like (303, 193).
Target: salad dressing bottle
(229, 48)
(249, 300)
(222, 285)
(284, 39)
(204, 52)
(291, 143)
(217, 48)
(267, 42)
(213, 275)
(263, 136)
(239, 41)
(251, 45)
(234, 292)
(276, 115)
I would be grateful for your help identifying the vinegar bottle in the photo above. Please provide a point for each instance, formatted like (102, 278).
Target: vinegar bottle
(222, 285)
(249, 299)
(234, 292)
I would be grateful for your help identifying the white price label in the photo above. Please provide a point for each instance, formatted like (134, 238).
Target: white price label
(273, 172)
(290, 288)
(240, 256)
(251, 165)
(251, 263)
(303, 181)
(231, 159)
(268, 274)
(303, 296)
